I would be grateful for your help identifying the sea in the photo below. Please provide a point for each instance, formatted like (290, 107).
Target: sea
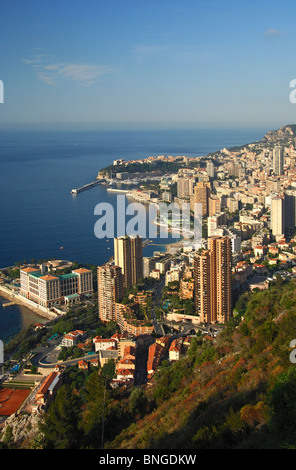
(41, 219)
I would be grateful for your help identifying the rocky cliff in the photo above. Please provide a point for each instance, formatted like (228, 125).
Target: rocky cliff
(283, 135)
(23, 428)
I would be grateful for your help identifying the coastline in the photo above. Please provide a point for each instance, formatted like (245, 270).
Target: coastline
(6, 294)
(171, 247)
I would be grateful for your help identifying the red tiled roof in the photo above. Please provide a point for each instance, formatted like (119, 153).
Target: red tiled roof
(49, 379)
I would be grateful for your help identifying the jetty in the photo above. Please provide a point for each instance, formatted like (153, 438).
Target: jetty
(86, 186)
(8, 304)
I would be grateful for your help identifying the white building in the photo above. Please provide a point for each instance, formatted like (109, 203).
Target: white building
(278, 160)
(102, 344)
(278, 215)
(49, 291)
(214, 222)
(72, 338)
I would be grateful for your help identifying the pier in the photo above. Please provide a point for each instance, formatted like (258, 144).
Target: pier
(8, 304)
(86, 186)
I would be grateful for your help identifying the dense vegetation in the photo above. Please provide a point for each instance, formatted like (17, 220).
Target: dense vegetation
(141, 168)
(237, 391)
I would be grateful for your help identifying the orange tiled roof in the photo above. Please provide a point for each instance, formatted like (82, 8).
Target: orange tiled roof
(82, 270)
(125, 372)
(29, 270)
(48, 278)
(49, 379)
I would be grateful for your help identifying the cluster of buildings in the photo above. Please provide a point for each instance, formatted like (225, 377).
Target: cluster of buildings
(120, 348)
(167, 348)
(248, 198)
(114, 278)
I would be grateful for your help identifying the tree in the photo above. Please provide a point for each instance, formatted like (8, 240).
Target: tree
(61, 423)
(284, 406)
(8, 439)
(137, 401)
(108, 370)
(96, 398)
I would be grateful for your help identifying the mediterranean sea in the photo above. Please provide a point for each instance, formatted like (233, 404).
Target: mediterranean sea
(37, 172)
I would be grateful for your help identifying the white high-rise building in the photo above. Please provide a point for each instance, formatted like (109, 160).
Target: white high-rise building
(278, 215)
(210, 169)
(278, 160)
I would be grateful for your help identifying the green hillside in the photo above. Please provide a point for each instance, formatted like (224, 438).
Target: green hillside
(237, 393)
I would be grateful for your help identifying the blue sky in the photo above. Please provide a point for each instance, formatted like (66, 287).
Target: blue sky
(147, 64)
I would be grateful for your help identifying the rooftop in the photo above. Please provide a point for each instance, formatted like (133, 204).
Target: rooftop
(81, 271)
(29, 270)
(48, 277)
(68, 276)
(35, 273)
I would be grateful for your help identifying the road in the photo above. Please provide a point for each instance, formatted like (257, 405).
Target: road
(47, 356)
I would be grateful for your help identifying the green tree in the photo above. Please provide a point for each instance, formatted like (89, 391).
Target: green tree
(8, 439)
(96, 399)
(284, 406)
(61, 423)
(137, 401)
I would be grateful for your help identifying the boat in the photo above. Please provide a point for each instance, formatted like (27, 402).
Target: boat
(61, 248)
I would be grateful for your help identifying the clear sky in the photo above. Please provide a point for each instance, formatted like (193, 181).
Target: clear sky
(140, 63)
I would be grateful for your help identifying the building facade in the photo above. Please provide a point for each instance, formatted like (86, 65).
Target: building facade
(278, 160)
(50, 291)
(202, 195)
(212, 281)
(128, 255)
(110, 289)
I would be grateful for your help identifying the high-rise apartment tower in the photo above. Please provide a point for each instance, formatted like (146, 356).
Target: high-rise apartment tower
(128, 254)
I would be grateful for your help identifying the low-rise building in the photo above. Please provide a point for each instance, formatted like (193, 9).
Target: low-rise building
(175, 350)
(72, 338)
(155, 355)
(107, 355)
(103, 344)
(48, 388)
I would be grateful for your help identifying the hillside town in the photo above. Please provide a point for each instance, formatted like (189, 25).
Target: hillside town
(160, 303)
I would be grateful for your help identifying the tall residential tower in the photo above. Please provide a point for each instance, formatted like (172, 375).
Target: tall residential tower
(110, 289)
(212, 277)
(128, 254)
(278, 160)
